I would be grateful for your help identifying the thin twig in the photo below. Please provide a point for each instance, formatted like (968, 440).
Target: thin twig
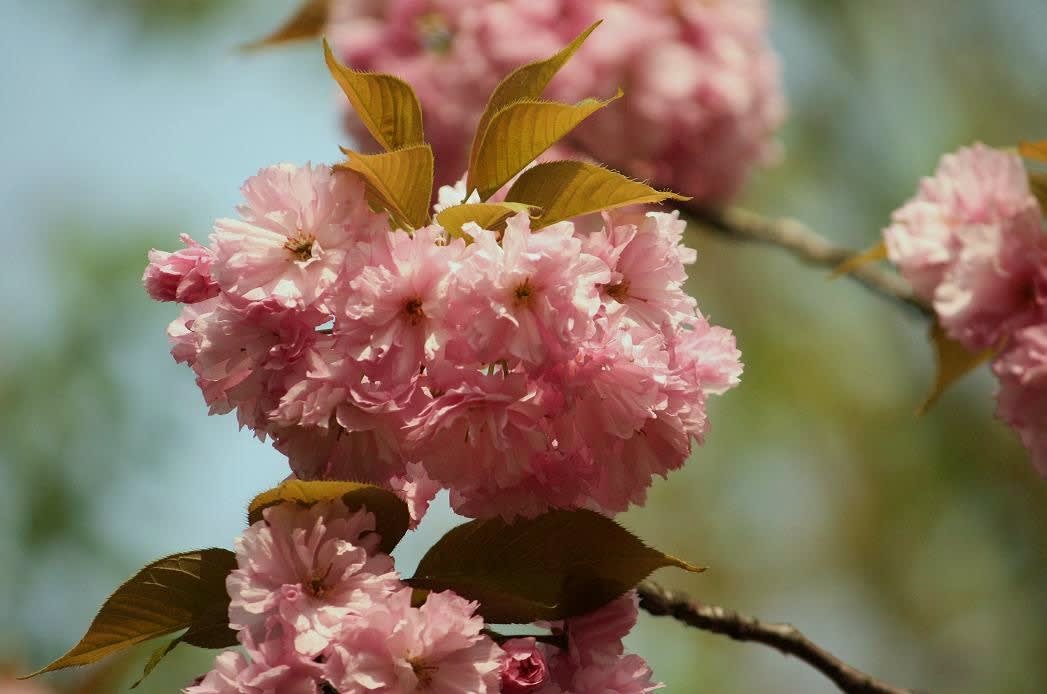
(804, 243)
(784, 637)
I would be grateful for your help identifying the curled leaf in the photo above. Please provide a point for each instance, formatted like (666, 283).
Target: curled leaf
(386, 105)
(307, 22)
(560, 564)
(869, 255)
(390, 512)
(525, 82)
(518, 133)
(179, 591)
(566, 189)
(400, 182)
(952, 362)
(486, 215)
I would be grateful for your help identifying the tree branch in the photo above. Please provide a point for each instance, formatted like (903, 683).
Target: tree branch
(784, 637)
(805, 244)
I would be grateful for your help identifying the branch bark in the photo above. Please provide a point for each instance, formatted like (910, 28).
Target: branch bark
(805, 244)
(783, 637)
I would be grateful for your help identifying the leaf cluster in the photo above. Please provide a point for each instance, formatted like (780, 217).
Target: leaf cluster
(516, 128)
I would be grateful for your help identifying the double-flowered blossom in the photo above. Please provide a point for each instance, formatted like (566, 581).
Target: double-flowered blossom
(594, 660)
(703, 95)
(523, 369)
(319, 609)
(972, 244)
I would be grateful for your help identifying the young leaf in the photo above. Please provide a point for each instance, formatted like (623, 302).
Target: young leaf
(525, 82)
(487, 215)
(400, 181)
(952, 361)
(1034, 150)
(558, 565)
(869, 255)
(306, 23)
(179, 591)
(390, 512)
(386, 104)
(520, 132)
(565, 189)
(154, 660)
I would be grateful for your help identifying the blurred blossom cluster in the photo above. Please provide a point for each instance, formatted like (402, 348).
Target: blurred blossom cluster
(319, 608)
(972, 243)
(703, 95)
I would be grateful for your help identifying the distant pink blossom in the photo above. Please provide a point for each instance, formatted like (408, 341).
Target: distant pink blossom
(972, 243)
(398, 648)
(972, 188)
(183, 276)
(312, 569)
(1022, 400)
(296, 227)
(703, 92)
(990, 290)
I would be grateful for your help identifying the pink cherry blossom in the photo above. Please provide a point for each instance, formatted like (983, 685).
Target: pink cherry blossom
(647, 267)
(235, 674)
(416, 489)
(296, 228)
(1022, 400)
(530, 297)
(311, 569)
(183, 276)
(245, 355)
(479, 433)
(336, 424)
(972, 243)
(435, 648)
(394, 305)
(990, 290)
(598, 635)
(973, 188)
(523, 667)
(595, 661)
(628, 674)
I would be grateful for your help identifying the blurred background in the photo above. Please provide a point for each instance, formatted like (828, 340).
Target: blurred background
(913, 548)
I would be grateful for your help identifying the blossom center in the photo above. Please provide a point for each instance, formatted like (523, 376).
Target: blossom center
(300, 246)
(524, 292)
(413, 310)
(619, 292)
(422, 670)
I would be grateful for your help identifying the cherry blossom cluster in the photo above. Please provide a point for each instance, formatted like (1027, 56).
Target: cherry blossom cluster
(521, 369)
(318, 609)
(703, 95)
(972, 243)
